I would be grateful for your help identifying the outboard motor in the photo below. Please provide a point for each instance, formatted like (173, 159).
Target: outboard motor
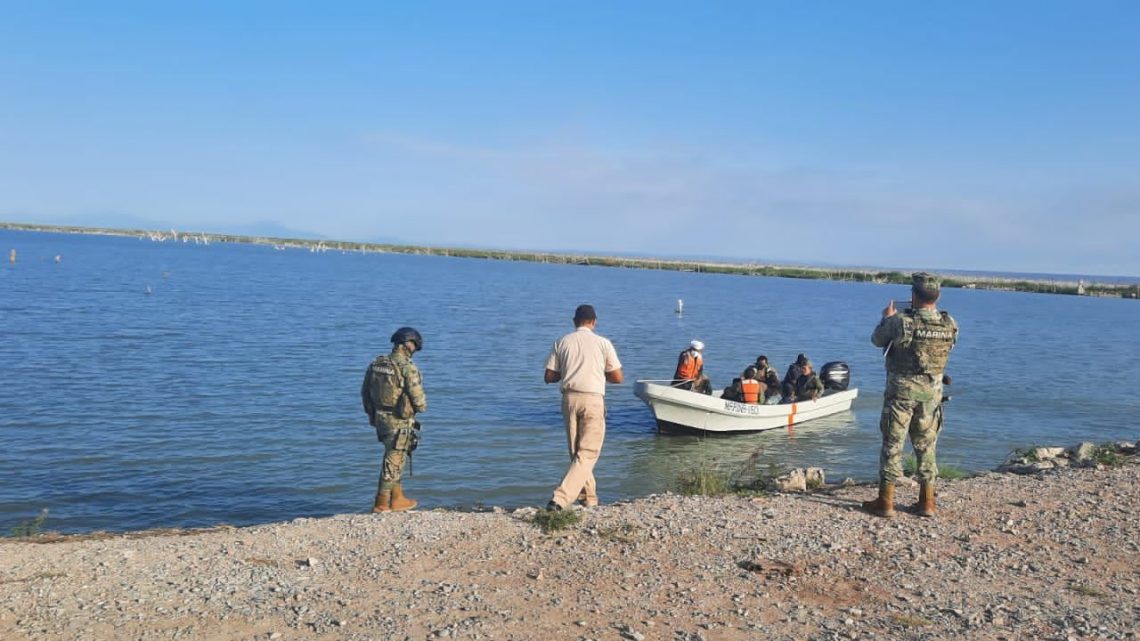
(835, 375)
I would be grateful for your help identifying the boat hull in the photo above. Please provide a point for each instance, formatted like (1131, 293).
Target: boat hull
(680, 411)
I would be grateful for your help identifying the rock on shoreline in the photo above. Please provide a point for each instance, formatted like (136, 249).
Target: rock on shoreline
(1045, 556)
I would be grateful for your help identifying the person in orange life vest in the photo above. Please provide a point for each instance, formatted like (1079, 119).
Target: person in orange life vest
(690, 372)
(751, 389)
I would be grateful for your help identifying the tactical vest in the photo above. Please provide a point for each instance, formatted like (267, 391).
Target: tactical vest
(690, 365)
(750, 390)
(387, 384)
(924, 347)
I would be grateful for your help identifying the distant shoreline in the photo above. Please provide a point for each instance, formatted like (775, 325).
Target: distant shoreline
(1042, 286)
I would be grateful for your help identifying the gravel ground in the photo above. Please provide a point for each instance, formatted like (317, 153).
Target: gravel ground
(1046, 556)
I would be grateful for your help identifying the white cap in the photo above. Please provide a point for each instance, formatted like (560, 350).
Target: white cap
(697, 345)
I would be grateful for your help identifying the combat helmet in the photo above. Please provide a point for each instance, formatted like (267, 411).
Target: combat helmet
(406, 334)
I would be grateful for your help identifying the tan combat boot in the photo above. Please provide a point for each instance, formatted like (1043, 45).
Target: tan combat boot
(383, 502)
(884, 505)
(925, 505)
(401, 503)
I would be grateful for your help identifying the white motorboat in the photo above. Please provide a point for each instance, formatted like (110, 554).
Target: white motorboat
(683, 411)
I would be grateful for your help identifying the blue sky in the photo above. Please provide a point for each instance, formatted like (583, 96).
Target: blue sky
(970, 135)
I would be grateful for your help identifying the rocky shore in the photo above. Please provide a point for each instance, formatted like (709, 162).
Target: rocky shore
(1051, 554)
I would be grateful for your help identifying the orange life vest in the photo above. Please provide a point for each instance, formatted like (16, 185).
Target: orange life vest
(750, 390)
(688, 365)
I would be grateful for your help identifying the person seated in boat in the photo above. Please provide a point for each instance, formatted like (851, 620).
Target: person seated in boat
(788, 388)
(772, 391)
(751, 388)
(703, 385)
(732, 392)
(808, 386)
(690, 372)
(767, 375)
(763, 369)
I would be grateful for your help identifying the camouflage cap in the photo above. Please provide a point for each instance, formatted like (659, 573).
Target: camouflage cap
(926, 281)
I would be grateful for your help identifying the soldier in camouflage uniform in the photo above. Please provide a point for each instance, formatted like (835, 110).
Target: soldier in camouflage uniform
(808, 386)
(393, 393)
(917, 344)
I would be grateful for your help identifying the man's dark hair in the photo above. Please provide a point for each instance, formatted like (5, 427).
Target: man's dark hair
(584, 314)
(925, 295)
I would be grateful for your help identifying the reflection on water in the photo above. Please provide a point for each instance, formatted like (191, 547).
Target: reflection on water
(230, 392)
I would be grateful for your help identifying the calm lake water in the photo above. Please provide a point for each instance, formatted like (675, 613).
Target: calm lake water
(158, 384)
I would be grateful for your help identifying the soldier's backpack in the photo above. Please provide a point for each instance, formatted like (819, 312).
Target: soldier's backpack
(383, 387)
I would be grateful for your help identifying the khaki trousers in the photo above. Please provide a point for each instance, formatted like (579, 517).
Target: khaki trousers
(585, 418)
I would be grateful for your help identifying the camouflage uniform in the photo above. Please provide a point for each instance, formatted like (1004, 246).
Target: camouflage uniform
(808, 387)
(396, 426)
(918, 345)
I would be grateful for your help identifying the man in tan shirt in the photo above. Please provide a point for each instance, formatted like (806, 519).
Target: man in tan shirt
(583, 362)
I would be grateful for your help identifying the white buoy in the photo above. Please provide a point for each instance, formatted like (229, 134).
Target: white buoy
(680, 306)
(149, 291)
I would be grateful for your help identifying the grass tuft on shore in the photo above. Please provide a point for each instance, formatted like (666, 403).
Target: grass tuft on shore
(623, 533)
(31, 527)
(1088, 590)
(554, 520)
(752, 478)
(1107, 454)
(909, 621)
(704, 480)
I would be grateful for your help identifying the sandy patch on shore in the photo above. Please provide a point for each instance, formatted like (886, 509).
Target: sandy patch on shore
(1053, 556)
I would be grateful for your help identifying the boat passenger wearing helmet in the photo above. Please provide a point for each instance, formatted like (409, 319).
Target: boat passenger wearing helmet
(393, 394)
(690, 372)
